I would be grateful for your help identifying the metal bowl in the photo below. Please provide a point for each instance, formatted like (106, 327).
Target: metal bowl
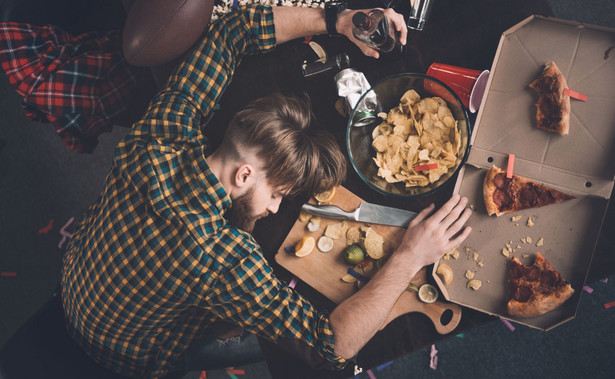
(382, 97)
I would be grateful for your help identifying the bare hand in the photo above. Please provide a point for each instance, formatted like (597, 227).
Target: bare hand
(429, 237)
(344, 26)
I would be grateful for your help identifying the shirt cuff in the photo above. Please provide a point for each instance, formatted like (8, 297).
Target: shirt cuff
(326, 345)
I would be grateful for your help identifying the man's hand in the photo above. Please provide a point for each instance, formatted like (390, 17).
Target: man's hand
(344, 26)
(429, 237)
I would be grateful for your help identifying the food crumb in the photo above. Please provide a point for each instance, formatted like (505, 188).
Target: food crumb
(516, 224)
(475, 256)
(525, 255)
(505, 253)
(480, 263)
(518, 246)
(524, 240)
(530, 221)
(528, 239)
(540, 242)
(469, 274)
(474, 284)
(515, 218)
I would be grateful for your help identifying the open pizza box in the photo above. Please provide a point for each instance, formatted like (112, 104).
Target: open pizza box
(581, 164)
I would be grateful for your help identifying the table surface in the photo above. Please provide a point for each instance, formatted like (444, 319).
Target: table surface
(461, 33)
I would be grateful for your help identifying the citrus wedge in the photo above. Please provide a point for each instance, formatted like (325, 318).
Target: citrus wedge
(305, 246)
(325, 196)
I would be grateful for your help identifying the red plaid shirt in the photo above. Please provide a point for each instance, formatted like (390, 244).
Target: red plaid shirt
(78, 84)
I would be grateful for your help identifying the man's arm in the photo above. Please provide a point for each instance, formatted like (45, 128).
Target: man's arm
(293, 22)
(358, 318)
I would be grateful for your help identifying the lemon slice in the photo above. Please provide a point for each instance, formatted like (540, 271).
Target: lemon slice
(305, 246)
(325, 196)
(322, 54)
(445, 272)
(325, 244)
(428, 293)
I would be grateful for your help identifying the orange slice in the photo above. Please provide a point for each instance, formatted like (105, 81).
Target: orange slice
(305, 246)
(325, 196)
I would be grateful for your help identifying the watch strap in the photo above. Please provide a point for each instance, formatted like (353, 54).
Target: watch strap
(332, 10)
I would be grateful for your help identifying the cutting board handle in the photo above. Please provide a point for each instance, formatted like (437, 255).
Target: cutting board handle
(408, 302)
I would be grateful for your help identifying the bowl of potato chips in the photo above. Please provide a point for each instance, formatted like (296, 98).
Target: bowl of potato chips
(408, 135)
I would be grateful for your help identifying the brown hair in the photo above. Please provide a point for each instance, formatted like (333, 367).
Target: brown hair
(295, 157)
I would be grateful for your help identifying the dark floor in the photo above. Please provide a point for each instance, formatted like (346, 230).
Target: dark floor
(42, 184)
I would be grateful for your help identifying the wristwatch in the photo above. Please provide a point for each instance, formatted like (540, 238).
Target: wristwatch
(332, 9)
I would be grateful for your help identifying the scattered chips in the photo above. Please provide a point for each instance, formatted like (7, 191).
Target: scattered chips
(417, 142)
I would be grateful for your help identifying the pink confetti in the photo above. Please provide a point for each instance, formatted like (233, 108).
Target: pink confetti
(511, 165)
(508, 325)
(64, 233)
(371, 374)
(433, 358)
(293, 282)
(46, 229)
(8, 274)
(588, 289)
(575, 95)
(606, 280)
(235, 372)
(203, 375)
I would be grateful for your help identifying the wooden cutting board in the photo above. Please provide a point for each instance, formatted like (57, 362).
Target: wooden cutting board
(323, 271)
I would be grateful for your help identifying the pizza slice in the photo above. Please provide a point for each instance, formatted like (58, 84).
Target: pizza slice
(504, 195)
(537, 289)
(553, 106)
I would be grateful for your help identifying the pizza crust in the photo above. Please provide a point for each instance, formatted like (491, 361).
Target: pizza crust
(489, 188)
(553, 106)
(540, 304)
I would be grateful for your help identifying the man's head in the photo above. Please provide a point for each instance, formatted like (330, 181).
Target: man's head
(273, 153)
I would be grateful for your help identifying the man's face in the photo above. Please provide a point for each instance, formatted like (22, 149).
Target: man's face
(256, 202)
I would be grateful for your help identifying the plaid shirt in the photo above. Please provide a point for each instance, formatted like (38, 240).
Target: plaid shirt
(154, 262)
(80, 85)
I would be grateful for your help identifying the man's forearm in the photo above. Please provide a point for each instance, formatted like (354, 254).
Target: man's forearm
(297, 22)
(358, 318)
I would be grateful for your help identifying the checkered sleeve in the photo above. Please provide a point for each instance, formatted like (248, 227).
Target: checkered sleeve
(249, 294)
(198, 82)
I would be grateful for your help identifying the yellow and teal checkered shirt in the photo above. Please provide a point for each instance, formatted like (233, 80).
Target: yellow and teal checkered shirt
(154, 262)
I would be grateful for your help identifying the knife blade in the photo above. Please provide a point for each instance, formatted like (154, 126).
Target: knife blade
(366, 212)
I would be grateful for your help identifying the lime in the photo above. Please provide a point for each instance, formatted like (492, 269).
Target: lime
(325, 244)
(305, 246)
(428, 293)
(353, 254)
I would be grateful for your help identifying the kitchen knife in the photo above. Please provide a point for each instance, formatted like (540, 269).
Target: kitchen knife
(368, 213)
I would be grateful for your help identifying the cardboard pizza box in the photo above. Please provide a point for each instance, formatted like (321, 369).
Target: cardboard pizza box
(581, 164)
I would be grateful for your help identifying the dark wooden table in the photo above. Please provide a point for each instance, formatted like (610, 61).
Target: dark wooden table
(462, 33)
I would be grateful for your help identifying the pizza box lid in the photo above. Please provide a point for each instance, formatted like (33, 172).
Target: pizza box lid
(581, 164)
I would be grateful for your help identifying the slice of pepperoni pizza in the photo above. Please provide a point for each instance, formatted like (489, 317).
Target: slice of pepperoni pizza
(553, 106)
(503, 195)
(537, 289)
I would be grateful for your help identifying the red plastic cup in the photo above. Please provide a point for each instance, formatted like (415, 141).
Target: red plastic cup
(468, 84)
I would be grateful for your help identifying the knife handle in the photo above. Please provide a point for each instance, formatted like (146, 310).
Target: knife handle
(330, 211)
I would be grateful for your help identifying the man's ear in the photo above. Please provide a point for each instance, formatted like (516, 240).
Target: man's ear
(244, 174)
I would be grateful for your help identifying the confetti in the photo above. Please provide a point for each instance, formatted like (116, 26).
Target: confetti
(433, 358)
(511, 164)
(575, 95)
(384, 365)
(508, 325)
(606, 280)
(46, 229)
(588, 289)
(308, 39)
(8, 274)
(460, 335)
(426, 167)
(371, 374)
(235, 372)
(357, 275)
(609, 305)
(203, 375)
(289, 249)
(293, 282)
(64, 233)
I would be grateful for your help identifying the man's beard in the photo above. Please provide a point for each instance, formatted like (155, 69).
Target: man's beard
(241, 213)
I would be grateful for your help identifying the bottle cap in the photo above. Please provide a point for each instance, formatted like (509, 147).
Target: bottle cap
(359, 19)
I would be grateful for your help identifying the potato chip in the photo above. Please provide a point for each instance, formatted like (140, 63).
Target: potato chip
(353, 235)
(336, 230)
(416, 131)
